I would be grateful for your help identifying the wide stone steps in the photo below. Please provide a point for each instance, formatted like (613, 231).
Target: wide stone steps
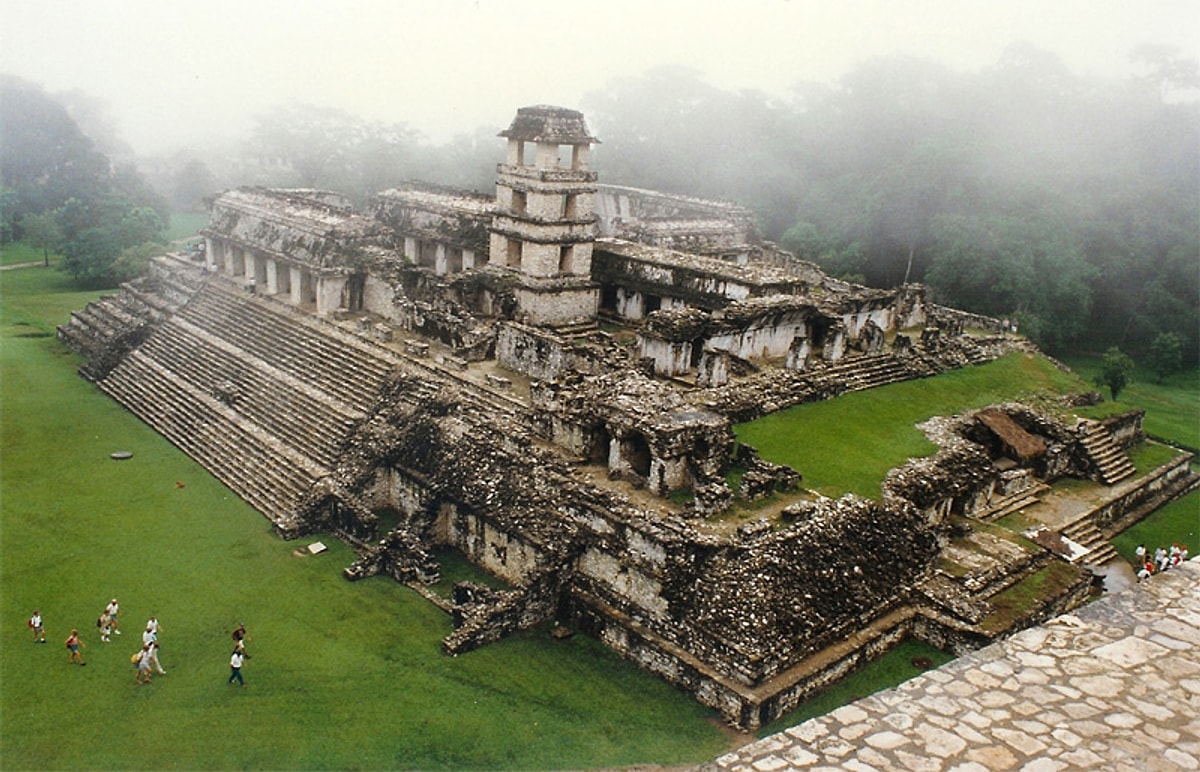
(1015, 503)
(303, 416)
(1110, 460)
(270, 476)
(337, 367)
(866, 372)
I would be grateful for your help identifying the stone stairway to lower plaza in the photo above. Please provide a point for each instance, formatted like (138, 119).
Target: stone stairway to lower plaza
(1111, 462)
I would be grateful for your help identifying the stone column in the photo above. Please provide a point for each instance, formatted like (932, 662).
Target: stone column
(297, 285)
(272, 277)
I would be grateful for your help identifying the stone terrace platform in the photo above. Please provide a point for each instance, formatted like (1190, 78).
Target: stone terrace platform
(1114, 685)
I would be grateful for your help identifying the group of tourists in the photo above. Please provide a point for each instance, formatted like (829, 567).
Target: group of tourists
(145, 660)
(1161, 560)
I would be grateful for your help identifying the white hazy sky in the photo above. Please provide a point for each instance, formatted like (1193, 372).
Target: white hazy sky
(173, 71)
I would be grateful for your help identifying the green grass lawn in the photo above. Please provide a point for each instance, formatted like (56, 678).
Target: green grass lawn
(1172, 407)
(342, 676)
(849, 444)
(1177, 522)
(20, 252)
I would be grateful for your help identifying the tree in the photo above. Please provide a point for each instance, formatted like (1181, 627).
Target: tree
(68, 195)
(42, 232)
(1116, 370)
(1165, 356)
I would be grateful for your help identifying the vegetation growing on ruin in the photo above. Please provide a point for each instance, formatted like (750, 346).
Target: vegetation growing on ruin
(342, 676)
(1017, 601)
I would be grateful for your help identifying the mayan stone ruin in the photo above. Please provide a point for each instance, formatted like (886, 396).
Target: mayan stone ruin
(546, 380)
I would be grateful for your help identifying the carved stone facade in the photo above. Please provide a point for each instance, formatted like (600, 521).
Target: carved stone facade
(547, 381)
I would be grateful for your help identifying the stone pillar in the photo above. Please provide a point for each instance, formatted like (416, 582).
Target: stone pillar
(329, 294)
(468, 260)
(210, 255)
(272, 277)
(296, 276)
(410, 249)
(439, 260)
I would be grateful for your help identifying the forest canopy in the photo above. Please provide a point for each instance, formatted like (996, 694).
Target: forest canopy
(1069, 204)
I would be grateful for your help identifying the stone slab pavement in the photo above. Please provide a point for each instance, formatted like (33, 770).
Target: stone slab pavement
(1114, 685)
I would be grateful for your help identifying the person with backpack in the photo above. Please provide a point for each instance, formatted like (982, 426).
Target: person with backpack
(142, 660)
(73, 643)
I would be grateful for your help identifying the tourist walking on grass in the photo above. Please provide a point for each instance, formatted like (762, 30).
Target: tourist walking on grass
(151, 637)
(113, 610)
(35, 624)
(239, 638)
(104, 625)
(235, 666)
(154, 658)
(142, 660)
(73, 644)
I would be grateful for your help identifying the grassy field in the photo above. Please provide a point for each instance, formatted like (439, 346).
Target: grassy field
(14, 254)
(1172, 407)
(848, 444)
(342, 675)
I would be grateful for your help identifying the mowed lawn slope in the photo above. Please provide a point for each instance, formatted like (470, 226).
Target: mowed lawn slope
(342, 675)
(849, 444)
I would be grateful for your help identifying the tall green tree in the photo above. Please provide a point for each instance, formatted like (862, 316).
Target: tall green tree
(1116, 371)
(1165, 356)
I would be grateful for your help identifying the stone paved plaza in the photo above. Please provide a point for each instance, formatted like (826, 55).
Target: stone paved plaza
(1113, 686)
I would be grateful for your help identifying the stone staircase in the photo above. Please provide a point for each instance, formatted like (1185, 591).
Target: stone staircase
(262, 395)
(268, 474)
(865, 372)
(1085, 533)
(257, 396)
(1002, 507)
(1111, 462)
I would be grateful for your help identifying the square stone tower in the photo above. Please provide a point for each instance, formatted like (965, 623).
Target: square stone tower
(545, 228)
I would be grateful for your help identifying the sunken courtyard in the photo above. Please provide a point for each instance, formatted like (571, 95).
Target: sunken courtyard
(546, 381)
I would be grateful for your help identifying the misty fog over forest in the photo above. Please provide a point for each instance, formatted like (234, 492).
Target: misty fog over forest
(1023, 189)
